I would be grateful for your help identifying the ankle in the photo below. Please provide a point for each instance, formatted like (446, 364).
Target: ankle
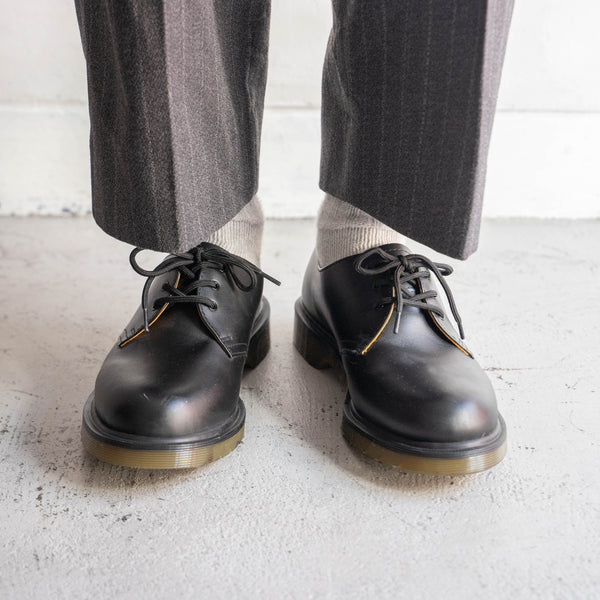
(344, 230)
(243, 234)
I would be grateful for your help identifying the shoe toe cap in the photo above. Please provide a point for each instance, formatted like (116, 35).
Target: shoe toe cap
(452, 401)
(164, 403)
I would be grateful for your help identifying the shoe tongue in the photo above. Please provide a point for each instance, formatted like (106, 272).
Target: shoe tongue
(401, 250)
(396, 249)
(209, 246)
(241, 274)
(376, 260)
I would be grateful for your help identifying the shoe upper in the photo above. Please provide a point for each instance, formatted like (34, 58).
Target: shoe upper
(407, 368)
(181, 375)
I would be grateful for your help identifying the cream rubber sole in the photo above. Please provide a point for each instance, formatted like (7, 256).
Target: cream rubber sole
(181, 458)
(420, 464)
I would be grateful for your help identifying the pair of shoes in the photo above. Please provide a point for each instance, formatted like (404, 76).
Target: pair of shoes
(167, 395)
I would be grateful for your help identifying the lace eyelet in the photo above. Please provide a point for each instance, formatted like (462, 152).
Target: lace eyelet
(216, 284)
(213, 307)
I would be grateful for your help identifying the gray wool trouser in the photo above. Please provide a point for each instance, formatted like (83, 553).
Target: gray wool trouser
(176, 91)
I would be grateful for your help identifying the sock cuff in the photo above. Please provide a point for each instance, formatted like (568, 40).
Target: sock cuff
(243, 234)
(344, 230)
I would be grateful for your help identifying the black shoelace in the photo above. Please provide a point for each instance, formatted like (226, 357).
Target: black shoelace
(190, 264)
(406, 270)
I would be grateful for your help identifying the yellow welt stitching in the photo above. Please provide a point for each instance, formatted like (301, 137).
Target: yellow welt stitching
(447, 336)
(153, 320)
(440, 328)
(382, 327)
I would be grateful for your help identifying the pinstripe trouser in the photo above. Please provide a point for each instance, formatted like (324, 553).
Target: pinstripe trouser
(176, 91)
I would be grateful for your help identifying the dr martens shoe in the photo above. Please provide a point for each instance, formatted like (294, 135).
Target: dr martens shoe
(167, 395)
(417, 399)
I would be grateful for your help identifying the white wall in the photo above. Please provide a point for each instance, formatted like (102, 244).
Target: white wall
(543, 160)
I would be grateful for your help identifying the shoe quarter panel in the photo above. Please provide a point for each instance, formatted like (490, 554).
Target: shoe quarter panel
(231, 322)
(352, 305)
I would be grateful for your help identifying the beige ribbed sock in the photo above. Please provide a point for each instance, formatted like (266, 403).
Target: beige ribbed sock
(243, 234)
(344, 230)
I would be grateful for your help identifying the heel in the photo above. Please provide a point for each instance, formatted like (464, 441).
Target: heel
(315, 352)
(258, 347)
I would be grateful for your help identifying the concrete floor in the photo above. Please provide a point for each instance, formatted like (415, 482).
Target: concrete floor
(293, 513)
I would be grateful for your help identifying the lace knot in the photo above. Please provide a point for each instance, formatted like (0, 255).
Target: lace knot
(190, 264)
(407, 269)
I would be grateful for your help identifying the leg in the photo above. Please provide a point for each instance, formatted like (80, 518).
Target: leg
(409, 92)
(176, 93)
(408, 96)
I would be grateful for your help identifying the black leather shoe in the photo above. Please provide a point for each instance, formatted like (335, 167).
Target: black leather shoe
(417, 399)
(167, 395)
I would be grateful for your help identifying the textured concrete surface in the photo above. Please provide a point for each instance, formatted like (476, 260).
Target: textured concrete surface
(293, 513)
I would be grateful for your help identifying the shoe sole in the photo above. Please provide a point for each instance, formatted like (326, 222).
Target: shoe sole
(315, 344)
(138, 452)
(179, 458)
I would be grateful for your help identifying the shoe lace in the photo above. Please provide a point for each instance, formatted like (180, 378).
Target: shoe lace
(406, 270)
(190, 264)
